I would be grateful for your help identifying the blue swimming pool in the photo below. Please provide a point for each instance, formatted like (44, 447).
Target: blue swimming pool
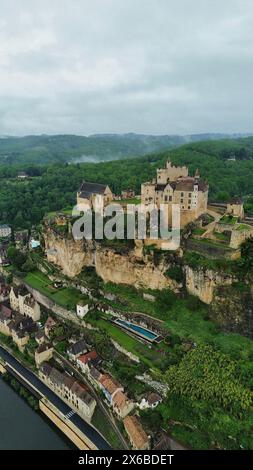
(137, 329)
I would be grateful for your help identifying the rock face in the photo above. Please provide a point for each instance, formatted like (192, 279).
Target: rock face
(67, 253)
(233, 310)
(112, 265)
(202, 282)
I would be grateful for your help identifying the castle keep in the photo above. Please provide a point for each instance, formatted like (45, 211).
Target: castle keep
(173, 185)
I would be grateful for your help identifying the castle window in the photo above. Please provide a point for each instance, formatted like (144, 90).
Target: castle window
(189, 201)
(182, 201)
(189, 207)
(170, 198)
(182, 194)
(166, 198)
(190, 194)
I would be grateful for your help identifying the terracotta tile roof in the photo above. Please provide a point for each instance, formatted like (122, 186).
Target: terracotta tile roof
(120, 400)
(109, 383)
(85, 358)
(136, 432)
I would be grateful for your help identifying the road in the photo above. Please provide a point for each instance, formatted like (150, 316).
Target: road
(84, 427)
(70, 367)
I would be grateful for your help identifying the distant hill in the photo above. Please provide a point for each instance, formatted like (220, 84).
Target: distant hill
(46, 149)
(227, 165)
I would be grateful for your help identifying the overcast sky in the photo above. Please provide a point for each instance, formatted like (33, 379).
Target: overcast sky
(146, 66)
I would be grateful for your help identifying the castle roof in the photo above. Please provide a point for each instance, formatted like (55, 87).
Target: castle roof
(188, 183)
(88, 189)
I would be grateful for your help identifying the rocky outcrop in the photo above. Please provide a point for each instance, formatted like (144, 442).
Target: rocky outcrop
(232, 308)
(202, 282)
(70, 255)
(122, 266)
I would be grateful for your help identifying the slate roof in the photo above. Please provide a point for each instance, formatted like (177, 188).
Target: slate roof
(78, 348)
(46, 368)
(188, 183)
(88, 189)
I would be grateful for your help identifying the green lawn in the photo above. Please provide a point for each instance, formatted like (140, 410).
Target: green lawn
(147, 356)
(101, 423)
(182, 321)
(66, 296)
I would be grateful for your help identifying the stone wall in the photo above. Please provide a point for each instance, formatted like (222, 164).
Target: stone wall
(212, 251)
(66, 426)
(240, 236)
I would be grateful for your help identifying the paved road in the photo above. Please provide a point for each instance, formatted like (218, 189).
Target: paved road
(86, 429)
(71, 368)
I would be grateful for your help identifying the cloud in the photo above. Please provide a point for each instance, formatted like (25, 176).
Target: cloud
(150, 66)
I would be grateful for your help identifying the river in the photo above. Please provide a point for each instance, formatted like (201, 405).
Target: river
(22, 428)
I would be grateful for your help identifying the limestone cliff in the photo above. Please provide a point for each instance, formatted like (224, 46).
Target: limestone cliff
(67, 253)
(112, 265)
(202, 282)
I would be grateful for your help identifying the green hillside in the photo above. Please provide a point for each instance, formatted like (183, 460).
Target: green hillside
(48, 149)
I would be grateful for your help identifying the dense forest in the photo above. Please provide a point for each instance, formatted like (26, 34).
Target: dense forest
(226, 164)
(48, 149)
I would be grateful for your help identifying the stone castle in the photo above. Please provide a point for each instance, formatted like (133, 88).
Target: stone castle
(173, 185)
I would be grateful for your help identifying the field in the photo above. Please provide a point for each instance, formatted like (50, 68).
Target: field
(66, 296)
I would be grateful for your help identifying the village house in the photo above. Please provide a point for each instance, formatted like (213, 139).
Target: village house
(94, 376)
(40, 337)
(23, 302)
(121, 404)
(128, 194)
(84, 360)
(93, 195)
(22, 175)
(21, 328)
(21, 238)
(110, 387)
(4, 291)
(69, 389)
(137, 436)
(173, 185)
(77, 349)
(6, 315)
(20, 338)
(4, 245)
(152, 400)
(82, 308)
(235, 208)
(49, 326)
(43, 353)
(5, 231)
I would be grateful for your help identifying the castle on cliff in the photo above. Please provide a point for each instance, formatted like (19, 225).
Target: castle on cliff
(173, 185)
